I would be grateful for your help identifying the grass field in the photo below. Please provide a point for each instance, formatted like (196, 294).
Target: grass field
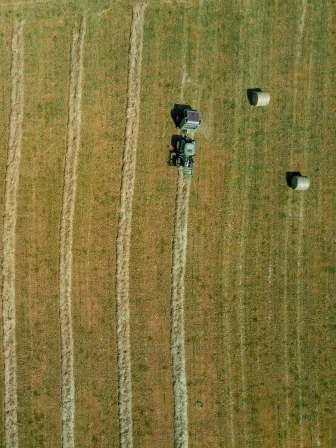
(191, 315)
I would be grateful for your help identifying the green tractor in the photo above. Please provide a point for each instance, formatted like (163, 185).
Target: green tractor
(184, 156)
(188, 120)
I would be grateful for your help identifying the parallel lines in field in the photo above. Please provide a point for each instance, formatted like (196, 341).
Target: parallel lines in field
(177, 311)
(299, 281)
(325, 136)
(271, 261)
(184, 58)
(241, 319)
(298, 52)
(241, 287)
(285, 318)
(299, 314)
(124, 227)
(228, 344)
(8, 238)
(179, 264)
(66, 234)
(228, 218)
(246, 200)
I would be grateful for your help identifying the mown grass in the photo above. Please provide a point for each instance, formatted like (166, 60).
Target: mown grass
(264, 57)
(39, 203)
(152, 227)
(5, 40)
(96, 217)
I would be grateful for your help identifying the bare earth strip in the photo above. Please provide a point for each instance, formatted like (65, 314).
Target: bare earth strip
(66, 234)
(124, 227)
(177, 312)
(8, 241)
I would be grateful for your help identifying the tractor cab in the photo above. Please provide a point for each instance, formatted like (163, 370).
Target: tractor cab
(187, 151)
(188, 147)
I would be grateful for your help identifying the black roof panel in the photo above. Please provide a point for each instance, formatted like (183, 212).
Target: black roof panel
(193, 115)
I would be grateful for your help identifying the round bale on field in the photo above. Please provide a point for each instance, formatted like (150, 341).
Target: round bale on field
(300, 182)
(260, 98)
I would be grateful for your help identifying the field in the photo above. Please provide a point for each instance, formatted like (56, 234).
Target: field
(140, 309)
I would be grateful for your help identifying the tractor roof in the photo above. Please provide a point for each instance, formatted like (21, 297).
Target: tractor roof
(193, 116)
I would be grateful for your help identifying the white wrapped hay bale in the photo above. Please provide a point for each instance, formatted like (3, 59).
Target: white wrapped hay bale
(300, 182)
(260, 98)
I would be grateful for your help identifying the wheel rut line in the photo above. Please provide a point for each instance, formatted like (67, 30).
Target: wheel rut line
(289, 212)
(299, 283)
(230, 386)
(298, 317)
(228, 240)
(326, 89)
(177, 311)
(184, 60)
(66, 234)
(296, 66)
(9, 235)
(124, 227)
(179, 256)
(298, 54)
(241, 304)
(241, 289)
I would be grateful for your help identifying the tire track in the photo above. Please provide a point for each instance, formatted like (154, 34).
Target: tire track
(241, 288)
(185, 75)
(299, 281)
(177, 311)
(178, 271)
(228, 218)
(228, 345)
(298, 52)
(318, 437)
(66, 234)
(246, 200)
(9, 238)
(124, 227)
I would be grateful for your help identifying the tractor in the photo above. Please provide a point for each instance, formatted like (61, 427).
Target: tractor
(188, 120)
(184, 156)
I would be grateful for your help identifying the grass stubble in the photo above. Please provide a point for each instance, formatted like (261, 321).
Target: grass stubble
(66, 234)
(124, 227)
(177, 311)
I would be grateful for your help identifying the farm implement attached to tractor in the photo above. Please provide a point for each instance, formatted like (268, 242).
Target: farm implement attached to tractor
(188, 120)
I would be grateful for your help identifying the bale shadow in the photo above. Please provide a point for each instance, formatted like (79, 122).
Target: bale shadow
(290, 175)
(249, 93)
(177, 113)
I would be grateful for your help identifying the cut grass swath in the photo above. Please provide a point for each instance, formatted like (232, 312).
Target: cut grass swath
(124, 227)
(66, 234)
(8, 239)
(177, 311)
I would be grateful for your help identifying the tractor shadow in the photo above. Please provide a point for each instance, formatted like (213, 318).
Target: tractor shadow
(174, 144)
(290, 175)
(249, 93)
(177, 113)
